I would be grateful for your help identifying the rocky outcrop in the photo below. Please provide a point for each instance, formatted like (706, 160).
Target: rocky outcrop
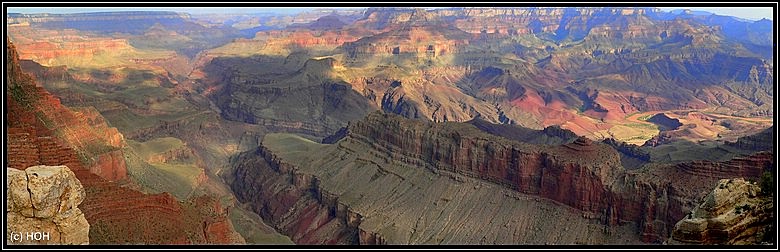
(115, 211)
(583, 174)
(217, 227)
(303, 39)
(42, 207)
(751, 166)
(340, 134)
(459, 149)
(733, 213)
(179, 154)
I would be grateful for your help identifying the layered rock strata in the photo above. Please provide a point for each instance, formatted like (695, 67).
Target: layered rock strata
(583, 175)
(116, 213)
(733, 213)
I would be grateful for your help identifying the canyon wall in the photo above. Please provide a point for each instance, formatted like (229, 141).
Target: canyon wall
(597, 183)
(390, 201)
(584, 175)
(290, 201)
(41, 131)
(33, 110)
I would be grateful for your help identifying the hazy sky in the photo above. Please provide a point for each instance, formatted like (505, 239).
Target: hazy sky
(752, 13)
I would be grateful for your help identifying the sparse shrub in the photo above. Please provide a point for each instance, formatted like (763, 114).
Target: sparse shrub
(769, 234)
(767, 183)
(743, 208)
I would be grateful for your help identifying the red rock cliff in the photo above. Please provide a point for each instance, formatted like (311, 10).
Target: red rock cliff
(584, 175)
(41, 131)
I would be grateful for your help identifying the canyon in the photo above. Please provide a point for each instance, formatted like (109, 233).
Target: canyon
(400, 125)
(390, 160)
(115, 213)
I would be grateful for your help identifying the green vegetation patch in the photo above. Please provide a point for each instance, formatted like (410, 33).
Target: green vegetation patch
(179, 179)
(290, 145)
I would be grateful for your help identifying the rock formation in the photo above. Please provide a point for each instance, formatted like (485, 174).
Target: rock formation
(394, 201)
(43, 201)
(734, 213)
(585, 175)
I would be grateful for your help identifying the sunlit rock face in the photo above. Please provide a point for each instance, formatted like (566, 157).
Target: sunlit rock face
(45, 199)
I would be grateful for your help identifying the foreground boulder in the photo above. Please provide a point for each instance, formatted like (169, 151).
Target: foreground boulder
(42, 206)
(733, 213)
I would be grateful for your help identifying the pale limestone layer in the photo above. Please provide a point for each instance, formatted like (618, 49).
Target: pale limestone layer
(44, 200)
(733, 213)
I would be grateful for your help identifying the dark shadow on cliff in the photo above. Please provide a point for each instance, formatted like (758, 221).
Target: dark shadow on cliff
(285, 94)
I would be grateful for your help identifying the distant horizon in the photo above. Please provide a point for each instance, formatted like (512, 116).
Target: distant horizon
(749, 13)
(189, 10)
